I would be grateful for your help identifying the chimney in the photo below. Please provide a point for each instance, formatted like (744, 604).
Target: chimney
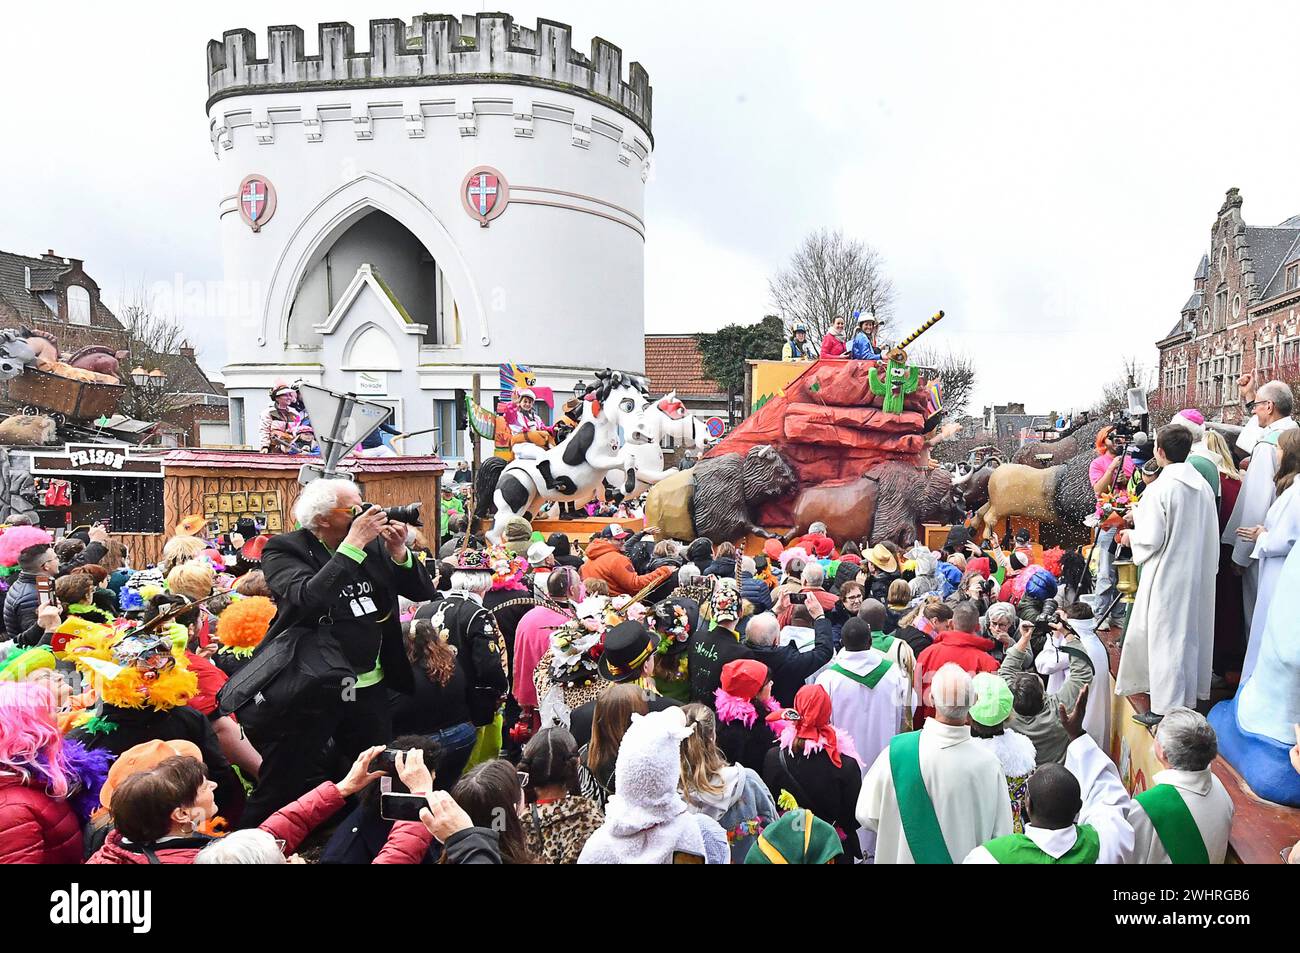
(187, 350)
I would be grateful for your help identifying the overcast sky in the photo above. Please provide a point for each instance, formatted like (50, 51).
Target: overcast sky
(1045, 174)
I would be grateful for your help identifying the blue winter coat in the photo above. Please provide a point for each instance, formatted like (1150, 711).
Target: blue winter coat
(862, 348)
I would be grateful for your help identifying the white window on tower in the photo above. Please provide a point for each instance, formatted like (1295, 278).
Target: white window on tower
(78, 305)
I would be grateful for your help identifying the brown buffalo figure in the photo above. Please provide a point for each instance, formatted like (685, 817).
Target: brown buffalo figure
(716, 497)
(889, 502)
(974, 485)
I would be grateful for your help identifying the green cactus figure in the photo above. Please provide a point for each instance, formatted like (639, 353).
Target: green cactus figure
(899, 380)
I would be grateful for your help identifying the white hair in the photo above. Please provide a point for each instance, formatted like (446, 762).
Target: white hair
(763, 629)
(1001, 610)
(814, 574)
(1187, 739)
(1280, 394)
(317, 499)
(253, 846)
(953, 692)
(818, 527)
(688, 575)
(747, 564)
(471, 580)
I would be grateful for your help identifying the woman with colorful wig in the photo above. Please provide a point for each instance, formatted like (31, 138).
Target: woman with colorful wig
(48, 786)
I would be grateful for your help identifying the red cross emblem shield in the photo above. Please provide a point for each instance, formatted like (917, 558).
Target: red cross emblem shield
(484, 194)
(256, 200)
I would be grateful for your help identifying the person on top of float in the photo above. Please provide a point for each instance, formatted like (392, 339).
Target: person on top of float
(864, 347)
(526, 425)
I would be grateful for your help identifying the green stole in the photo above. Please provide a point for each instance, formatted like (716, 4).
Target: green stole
(881, 642)
(1174, 824)
(915, 809)
(1020, 849)
(871, 679)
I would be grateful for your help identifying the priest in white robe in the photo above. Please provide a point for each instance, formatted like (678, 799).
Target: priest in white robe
(1272, 407)
(952, 790)
(868, 692)
(1186, 746)
(1273, 540)
(1169, 642)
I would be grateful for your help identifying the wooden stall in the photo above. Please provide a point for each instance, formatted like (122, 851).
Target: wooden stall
(227, 484)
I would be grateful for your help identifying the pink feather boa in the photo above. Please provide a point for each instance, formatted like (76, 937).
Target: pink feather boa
(785, 737)
(730, 708)
(17, 538)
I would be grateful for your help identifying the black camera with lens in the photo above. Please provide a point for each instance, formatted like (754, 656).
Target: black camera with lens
(408, 513)
(1043, 624)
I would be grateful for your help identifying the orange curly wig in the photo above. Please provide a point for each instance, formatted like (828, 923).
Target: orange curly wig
(242, 625)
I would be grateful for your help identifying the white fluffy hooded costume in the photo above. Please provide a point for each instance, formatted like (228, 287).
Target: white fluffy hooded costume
(646, 821)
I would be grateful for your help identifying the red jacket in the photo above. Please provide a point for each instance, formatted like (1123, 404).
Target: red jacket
(832, 346)
(290, 824)
(785, 608)
(36, 828)
(967, 649)
(817, 544)
(605, 560)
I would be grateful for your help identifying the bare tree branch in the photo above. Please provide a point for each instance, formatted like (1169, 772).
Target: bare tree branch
(830, 276)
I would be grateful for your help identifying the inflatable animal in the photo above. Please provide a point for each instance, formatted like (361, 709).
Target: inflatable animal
(717, 497)
(889, 502)
(611, 419)
(673, 428)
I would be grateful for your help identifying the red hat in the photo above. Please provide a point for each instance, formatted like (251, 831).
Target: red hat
(744, 678)
(811, 717)
(979, 564)
(772, 548)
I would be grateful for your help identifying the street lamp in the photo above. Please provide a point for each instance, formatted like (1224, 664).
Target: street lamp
(139, 376)
(158, 379)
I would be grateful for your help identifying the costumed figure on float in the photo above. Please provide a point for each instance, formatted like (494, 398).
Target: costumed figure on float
(611, 418)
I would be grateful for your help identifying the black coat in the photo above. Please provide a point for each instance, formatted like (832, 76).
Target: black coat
(306, 579)
(829, 792)
(707, 652)
(788, 667)
(138, 725)
(747, 746)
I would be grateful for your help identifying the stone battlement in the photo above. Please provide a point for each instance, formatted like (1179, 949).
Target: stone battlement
(432, 50)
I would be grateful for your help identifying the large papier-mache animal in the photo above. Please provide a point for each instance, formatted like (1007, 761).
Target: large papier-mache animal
(1058, 495)
(611, 421)
(889, 502)
(718, 497)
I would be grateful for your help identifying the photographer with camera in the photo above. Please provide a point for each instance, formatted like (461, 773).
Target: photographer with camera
(334, 648)
(1034, 710)
(1109, 473)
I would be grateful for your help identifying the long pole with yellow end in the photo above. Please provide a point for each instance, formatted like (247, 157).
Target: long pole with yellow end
(929, 323)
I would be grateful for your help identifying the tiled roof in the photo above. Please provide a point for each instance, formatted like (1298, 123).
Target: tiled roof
(1275, 284)
(1268, 249)
(673, 362)
(26, 306)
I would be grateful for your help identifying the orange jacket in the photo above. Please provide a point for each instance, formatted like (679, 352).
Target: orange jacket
(605, 560)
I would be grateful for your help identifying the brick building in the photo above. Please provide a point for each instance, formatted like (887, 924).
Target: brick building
(1241, 316)
(55, 294)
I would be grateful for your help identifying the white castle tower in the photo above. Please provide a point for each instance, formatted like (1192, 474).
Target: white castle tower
(466, 193)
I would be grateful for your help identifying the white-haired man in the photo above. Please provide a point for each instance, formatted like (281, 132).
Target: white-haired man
(932, 796)
(1186, 815)
(336, 583)
(1272, 408)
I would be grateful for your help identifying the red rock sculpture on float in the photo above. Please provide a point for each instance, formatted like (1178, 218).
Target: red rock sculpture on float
(832, 430)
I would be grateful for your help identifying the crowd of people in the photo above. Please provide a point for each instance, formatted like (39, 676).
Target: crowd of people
(350, 693)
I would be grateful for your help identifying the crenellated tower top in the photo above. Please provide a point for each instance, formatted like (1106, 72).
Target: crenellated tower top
(431, 50)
